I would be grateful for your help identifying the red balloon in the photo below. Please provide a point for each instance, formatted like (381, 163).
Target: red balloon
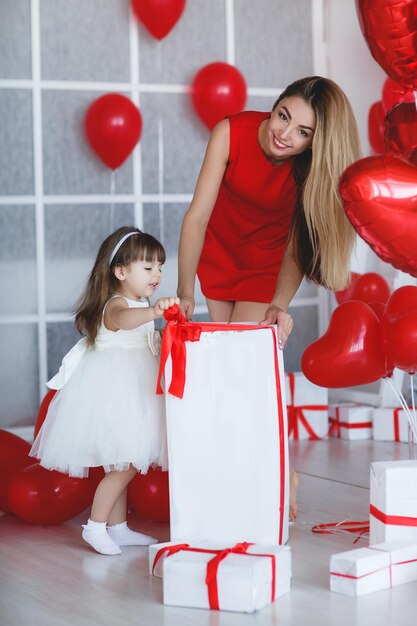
(393, 93)
(390, 30)
(379, 195)
(158, 16)
(350, 352)
(403, 301)
(346, 294)
(218, 90)
(376, 117)
(43, 410)
(13, 458)
(113, 125)
(149, 495)
(400, 340)
(41, 496)
(401, 130)
(378, 308)
(370, 287)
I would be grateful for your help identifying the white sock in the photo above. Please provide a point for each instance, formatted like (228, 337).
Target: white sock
(95, 534)
(124, 536)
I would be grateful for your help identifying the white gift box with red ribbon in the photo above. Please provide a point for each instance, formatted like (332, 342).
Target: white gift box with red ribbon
(381, 566)
(226, 431)
(350, 421)
(390, 424)
(244, 577)
(393, 501)
(306, 408)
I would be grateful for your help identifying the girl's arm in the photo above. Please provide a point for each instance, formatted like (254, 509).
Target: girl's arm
(289, 279)
(196, 218)
(119, 315)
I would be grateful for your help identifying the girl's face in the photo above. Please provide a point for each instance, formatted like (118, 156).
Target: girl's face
(290, 129)
(140, 279)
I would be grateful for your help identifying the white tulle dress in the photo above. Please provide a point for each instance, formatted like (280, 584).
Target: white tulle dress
(106, 412)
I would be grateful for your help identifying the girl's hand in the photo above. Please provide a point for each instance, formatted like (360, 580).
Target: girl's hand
(163, 304)
(276, 315)
(187, 305)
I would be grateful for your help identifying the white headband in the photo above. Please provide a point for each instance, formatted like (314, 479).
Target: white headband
(123, 239)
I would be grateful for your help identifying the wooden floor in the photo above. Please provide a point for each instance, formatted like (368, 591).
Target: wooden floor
(49, 577)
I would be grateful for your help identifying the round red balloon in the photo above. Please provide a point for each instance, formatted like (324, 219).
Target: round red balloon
(376, 117)
(393, 93)
(13, 458)
(158, 16)
(113, 125)
(350, 352)
(43, 410)
(149, 495)
(41, 496)
(390, 30)
(370, 287)
(218, 90)
(379, 196)
(400, 339)
(346, 294)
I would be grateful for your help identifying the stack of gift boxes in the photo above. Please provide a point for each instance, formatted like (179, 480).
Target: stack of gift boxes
(228, 458)
(391, 558)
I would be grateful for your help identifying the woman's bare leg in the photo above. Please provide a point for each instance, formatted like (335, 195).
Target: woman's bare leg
(219, 311)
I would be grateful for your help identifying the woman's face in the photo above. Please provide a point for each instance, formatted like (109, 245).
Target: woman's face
(290, 129)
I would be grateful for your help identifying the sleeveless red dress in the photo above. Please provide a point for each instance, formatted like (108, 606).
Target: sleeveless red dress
(248, 229)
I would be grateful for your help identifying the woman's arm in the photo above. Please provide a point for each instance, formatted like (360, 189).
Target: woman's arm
(197, 217)
(119, 316)
(289, 279)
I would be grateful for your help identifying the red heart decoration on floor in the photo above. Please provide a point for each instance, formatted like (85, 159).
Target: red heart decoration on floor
(350, 352)
(390, 30)
(401, 130)
(379, 195)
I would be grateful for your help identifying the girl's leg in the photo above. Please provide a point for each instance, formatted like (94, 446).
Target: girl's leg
(255, 312)
(118, 529)
(219, 311)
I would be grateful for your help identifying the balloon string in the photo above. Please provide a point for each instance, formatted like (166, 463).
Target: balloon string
(399, 395)
(161, 179)
(411, 437)
(415, 97)
(112, 192)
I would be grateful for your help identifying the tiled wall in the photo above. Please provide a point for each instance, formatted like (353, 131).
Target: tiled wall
(56, 202)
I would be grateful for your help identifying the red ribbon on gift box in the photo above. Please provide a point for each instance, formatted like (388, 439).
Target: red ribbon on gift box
(296, 413)
(176, 333)
(337, 425)
(395, 520)
(213, 565)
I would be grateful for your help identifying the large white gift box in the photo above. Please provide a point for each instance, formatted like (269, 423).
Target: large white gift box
(390, 424)
(245, 577)
(350, 421)
(306, 407)
(393, 497)
(227, 434)
(381, 566)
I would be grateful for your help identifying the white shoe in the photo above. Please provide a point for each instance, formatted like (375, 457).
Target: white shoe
(122, 535)
(100, 540)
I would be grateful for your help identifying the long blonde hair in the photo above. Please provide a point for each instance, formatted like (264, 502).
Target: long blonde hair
(323, 235)
(102, 283)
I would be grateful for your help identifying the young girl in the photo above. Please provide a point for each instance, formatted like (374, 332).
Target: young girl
(106, 412)
(266, 209)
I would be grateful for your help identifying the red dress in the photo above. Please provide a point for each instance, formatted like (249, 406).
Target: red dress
(248, 229)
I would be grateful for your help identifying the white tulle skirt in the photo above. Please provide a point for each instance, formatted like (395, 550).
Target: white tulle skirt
(107, 414)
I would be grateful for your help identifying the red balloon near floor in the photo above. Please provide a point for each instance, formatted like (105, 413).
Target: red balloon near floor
(43, 410)
(149, 495)
(41, 496)
(13, 458)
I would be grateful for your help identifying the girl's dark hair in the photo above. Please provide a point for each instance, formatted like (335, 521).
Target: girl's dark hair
(102, 282)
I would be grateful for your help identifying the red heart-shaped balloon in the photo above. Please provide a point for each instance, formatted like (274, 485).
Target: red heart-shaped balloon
(390, 30)
(376, 118)
(158, 16)
(401, 130)
(350, 352)
(370, 287)
(379, 195)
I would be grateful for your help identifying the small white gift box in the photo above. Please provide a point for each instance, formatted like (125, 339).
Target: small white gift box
(381, 566)
(393, 497)
(306, 408)
(227, 433)
(245, 577)
(350, 421)
(390, 424)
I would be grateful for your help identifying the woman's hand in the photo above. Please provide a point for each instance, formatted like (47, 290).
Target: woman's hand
(276, 315)
(163, 304)
(187, 305)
